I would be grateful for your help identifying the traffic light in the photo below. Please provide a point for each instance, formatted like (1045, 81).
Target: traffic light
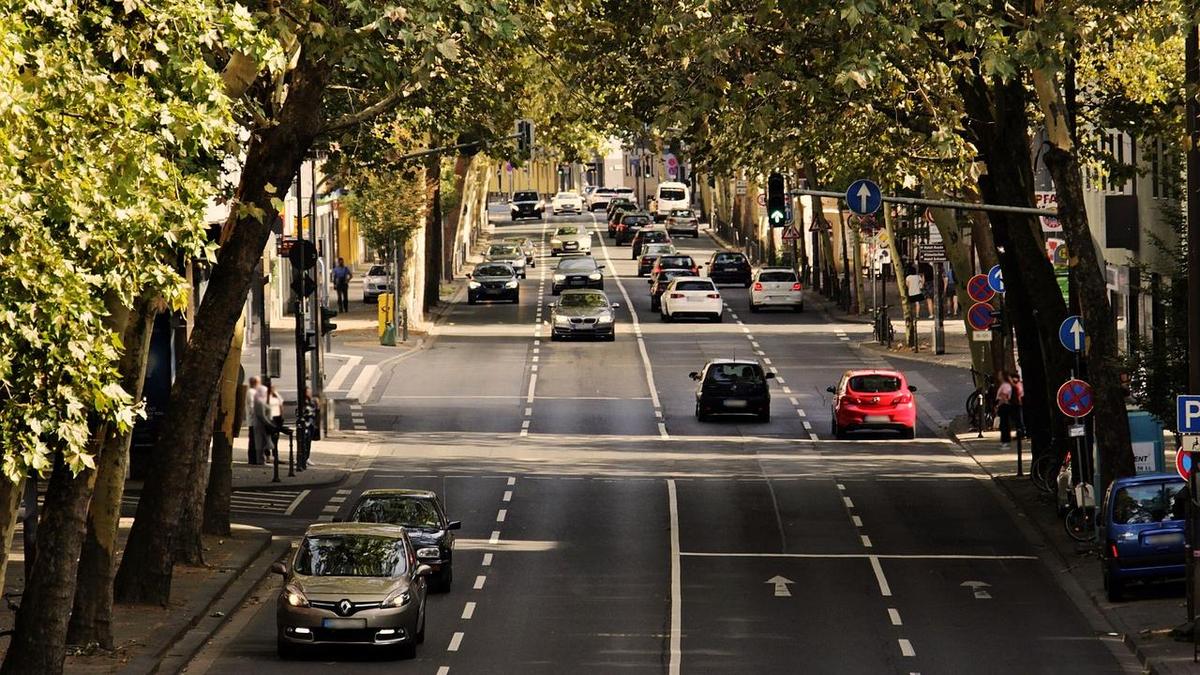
(524, 137)
(327, 327)
(303, 256)
(302, 283)
(776, 200)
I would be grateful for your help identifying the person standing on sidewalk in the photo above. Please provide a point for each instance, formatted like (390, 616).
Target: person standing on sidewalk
(307, 425)
(275, 409)
(914, 285)
(951, 291)
(265, 432)
(251, 396)
(341, 284)
(1004, 401)
(1016, 403)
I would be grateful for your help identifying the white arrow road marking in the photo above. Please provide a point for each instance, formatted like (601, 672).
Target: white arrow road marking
(781, 586)
(977, 588)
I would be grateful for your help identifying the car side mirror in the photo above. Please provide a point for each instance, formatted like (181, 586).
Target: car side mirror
(770, 376)
(911, 388)
(424, 570)
(280, 568)
(831, 390)
(454, 525)
(694, 375)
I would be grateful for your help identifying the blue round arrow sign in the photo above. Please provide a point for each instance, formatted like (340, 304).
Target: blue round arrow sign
(996, 279)
(864, 197)
(1071, 333)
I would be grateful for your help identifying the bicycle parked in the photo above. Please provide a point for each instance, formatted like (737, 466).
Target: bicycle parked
(884, 333)
(981, 403)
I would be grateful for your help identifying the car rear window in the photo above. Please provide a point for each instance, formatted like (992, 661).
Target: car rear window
(750, 373)
(525, 197)
(377, 271)
(874, 384)
(676, 261)
(1149, 503)
(674, 194)
(635, 220)
(729, 257)
(682, 213)
(777, 276)
(654, 236)
(694, 286)
(493, 271)
(577, 263)
(623, 191)
(567, 195)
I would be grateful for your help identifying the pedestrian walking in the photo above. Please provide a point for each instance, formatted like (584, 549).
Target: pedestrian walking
(265, 432)
(1016, 403)
(308, 426)
(930, 292)
(914, 285)
(341, 284)
(951, 291)
(275, 409)
(251, 395)
(1004, 395)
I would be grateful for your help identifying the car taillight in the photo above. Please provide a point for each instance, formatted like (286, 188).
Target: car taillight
(677, 295)
(758, 285)
(901, 400)
(796, 287)
(714, 296)
(1113, 548)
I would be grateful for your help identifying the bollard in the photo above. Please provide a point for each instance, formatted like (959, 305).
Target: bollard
(275, 479)
(291, 463)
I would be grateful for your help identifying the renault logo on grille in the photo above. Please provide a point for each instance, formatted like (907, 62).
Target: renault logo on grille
(345, 607)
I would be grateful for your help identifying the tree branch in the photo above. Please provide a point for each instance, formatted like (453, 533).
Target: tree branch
(354, 119)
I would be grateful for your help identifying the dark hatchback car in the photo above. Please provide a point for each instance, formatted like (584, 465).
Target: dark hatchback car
(527, 204)
(660, 282)
(421, 515)
(630, 225)
(676, 262)
(493, 281)
(582, 272)
(729, 267)
(615, 216)
(619, 202)
(732, 387)
(648, 236)
(1142, 531)
(583, 314)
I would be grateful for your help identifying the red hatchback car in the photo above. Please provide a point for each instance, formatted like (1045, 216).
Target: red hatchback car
(874, 399)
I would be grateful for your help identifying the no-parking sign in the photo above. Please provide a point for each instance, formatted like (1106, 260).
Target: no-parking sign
(979, 288)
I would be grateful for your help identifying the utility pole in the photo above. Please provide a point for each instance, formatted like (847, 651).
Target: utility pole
(1192, 89)
(320, 298)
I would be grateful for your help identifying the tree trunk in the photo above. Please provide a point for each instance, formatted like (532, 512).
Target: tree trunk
(856, 267)
(10, 500)
(274, 156)
(454, 212)
(433, 229)
(91, 618)
(39, 637)
(220, 470)
(958, 253)
(898, 272)
(1114, 451)
(997, 123)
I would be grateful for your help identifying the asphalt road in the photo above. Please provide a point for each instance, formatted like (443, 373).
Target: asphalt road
(606, 530)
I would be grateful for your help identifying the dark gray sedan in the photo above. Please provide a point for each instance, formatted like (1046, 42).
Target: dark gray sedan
(583, 313)
(493, 281)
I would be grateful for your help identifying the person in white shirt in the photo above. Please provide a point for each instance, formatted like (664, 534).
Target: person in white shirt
(274, 403)
(914, 285)
(251, 394)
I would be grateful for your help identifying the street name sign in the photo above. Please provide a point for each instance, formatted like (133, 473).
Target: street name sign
(996, 279)
(979, 288)
(1187, 413)
(1071, 333)
(1075, 398)
(864, 197)
(931, 253)
(1076, 431)
(981, 316)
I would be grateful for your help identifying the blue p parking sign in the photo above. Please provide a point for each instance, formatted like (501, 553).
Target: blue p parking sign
(1187, 414)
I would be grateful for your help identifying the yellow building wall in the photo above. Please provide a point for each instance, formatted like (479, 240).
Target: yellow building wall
(348, 240)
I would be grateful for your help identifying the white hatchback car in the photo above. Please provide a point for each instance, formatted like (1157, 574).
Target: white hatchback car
(691, 296)
(566, 202)
(776, 287)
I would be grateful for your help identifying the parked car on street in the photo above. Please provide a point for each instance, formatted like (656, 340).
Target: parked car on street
(493, 281)
(571, 239)
(566, 202)
(683, 221)
(507, 254)
(353, 584)
(648, 235)
(527, 204)
(729, 267)
(776, 287)
(873, 400)
(732, 387)
(583, 313)
(650, 255)
(376, 283)
(691, 297)
(422, 516)
(577, 272)
(1142, 529)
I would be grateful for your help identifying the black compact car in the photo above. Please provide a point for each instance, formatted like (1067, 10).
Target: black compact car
(729, 267)
(615, 215)
(581, 313)
(659, 283)
(732, 387)
(493, 281)
(629, 226)
(421, 515)
(580, 272)
(648, 235)
(527, 204)
(618, 201)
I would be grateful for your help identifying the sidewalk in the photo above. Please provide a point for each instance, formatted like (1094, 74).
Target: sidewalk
(957, 348)
(1145, 622)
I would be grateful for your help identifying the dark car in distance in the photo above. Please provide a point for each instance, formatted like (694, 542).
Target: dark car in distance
(732, 387)
(577, 272)
(648, 235)
(629, 226)
(527, 204)
(1142, 523)
(421, 515)
(676, 262)
(729, 267)
(659, 284)
(493, 281)
(615, 215)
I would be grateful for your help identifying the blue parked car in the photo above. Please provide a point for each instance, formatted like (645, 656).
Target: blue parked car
(1142, 531)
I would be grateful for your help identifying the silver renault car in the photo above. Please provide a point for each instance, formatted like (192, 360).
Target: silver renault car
(356, 584)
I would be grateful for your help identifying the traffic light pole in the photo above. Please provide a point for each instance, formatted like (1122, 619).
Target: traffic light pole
(317, 379)
(301, 338)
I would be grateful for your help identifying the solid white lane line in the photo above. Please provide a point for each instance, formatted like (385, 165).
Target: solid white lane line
(501, 515)
(495, 538)
(866, 541)
(507, 496)
(906, 648)
(479, 581)
(455, 642)
(295, 503)
(469, 610)
(894, 615)
(884, 589)
(848, 502)
(673, 666)
(487, 559)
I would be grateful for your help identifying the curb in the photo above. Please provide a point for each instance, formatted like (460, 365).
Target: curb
(201, 609)
(868, 344)
(292, 486)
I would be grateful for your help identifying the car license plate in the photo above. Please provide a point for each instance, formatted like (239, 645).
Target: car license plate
(878, 419)
(735, 403)
(343, 624)
(1164, 539)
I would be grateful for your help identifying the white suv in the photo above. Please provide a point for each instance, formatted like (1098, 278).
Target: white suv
(776, 287)
(691, 296)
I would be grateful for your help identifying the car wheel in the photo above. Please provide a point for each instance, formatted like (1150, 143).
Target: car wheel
(663, 316)
(407, 651)
(718, 317)
(800, 307)
(555, 337)
(471, 300)
(1114, 589)
(516, 300)
(611, 337)
(909, 433)
(555, 290)
(746, 284)
(286, 650)
(754, 307)
(764, 416)
(700, 417)
(641, 274)
(445, 579)
(420, 637)
(833, 429)
(553, 254)
(654, 306)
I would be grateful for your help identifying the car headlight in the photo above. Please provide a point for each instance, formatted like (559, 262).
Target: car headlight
(511, 284)
(398, 599)
(605, 318)
(294, 596)
(473, 284)
(594, 276)
(429, 552)
(560, 277)
(561, 321)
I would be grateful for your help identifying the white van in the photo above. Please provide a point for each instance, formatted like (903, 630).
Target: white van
(671, 196)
